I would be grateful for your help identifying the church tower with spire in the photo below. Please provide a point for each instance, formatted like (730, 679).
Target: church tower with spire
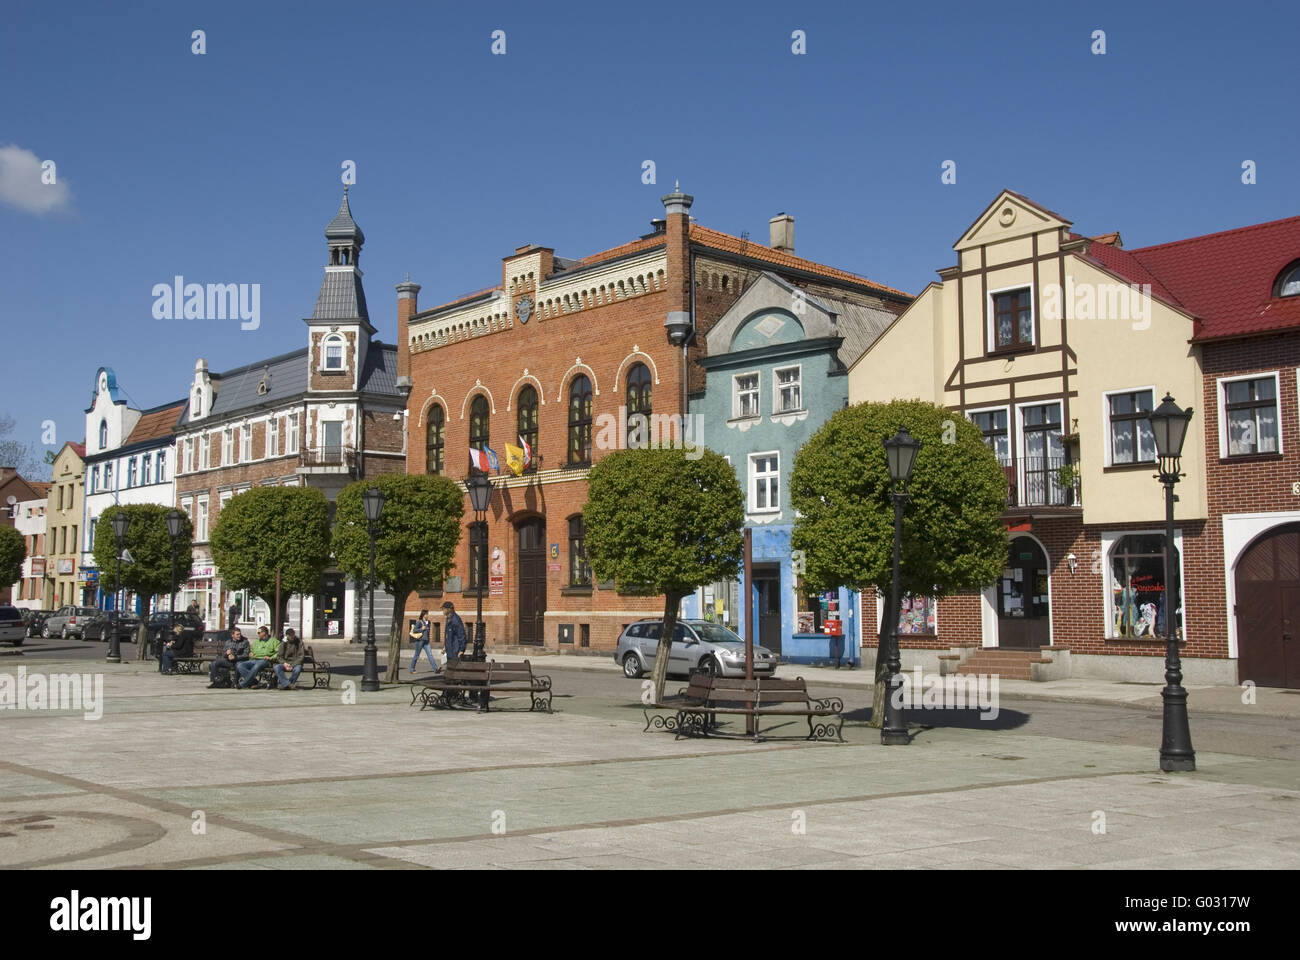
(339, 327)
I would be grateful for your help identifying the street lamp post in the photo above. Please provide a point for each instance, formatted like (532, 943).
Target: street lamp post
(373, 500)
(480, 494)
(175, 527)
(1169, 423)
(900, 451)
(120, 523)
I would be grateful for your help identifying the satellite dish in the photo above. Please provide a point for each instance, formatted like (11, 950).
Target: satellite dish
(11, 499)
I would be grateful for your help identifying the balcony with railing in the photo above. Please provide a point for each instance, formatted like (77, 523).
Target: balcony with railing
(327, 459)
(1036, 482)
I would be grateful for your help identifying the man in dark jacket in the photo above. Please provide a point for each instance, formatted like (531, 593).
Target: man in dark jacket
(237, 651)
(292, 652)
(453, 635)
(180, 645)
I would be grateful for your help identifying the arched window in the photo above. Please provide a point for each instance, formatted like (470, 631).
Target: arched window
(103, 434)
(478, 426)
(435, 440)
(528, 421)
(638, 406)
(580, 420)
(579, 572)
(1288, 284)
(332, 352)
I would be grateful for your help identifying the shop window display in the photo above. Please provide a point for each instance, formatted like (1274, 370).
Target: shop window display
(1138, 588)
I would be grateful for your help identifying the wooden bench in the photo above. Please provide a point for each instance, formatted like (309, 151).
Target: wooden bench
(470, 683)
(319, 669)
(697, 707)
(205, 651)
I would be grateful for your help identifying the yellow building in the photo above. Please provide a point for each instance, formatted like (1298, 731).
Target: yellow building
(63, 529)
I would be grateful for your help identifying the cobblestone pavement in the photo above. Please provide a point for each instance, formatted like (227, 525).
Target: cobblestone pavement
(176, 775)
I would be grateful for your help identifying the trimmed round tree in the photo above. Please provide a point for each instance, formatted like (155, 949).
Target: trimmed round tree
(13, 551)
(267, 529)
(659, 522)
(150, 571)
(953, 536)
(415, 539)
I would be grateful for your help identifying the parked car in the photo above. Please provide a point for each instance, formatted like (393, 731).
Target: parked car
(67, 621)
(104, 623)
(12, 628)
(697, 645)
(35, 620)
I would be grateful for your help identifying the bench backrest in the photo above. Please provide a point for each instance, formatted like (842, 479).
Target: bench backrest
(467, 670)
(511, 672)
(700, 687)
(763, 690)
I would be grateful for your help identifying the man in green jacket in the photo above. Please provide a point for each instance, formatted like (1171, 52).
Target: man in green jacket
(264, 651)
(291, 654)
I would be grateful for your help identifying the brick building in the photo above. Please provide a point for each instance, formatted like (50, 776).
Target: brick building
(565, 353)
(324, 416)
(1058, 346)
(27, 515)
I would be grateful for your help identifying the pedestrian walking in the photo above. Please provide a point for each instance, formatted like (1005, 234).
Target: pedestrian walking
(419, 635)
(453, 633)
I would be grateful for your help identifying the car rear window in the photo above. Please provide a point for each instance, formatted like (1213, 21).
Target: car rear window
(10, 613)
(85, 611)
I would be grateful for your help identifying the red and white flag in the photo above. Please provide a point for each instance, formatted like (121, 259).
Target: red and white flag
(478, 459)
(528, 452)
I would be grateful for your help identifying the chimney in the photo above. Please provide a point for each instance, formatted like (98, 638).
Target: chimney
(781, 232)
(407, 305)
(677, 213)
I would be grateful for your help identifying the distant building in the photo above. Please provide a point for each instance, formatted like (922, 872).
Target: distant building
(65, 582)
(26, 514)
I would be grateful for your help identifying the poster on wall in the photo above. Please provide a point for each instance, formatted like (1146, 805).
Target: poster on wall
(917, 615)
(497, 573)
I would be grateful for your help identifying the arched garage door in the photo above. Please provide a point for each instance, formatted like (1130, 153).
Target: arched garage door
(1268, 609)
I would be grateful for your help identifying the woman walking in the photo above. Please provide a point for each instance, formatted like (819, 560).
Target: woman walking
(420, 634)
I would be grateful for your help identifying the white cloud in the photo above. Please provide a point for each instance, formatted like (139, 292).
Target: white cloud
(22, 185)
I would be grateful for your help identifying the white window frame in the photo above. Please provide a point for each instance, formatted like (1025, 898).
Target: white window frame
(991, 316)
(108, 475)
(187, 508)
(1004, 408)
(186, 452)
(246, 442)
(1108, 540)
(202, 519)
(273, 437)
(758, 395)
(320, 432)
(205, 452)
(1108, 454)
(228, 446)
(132, 472)
(160, 467)
(1221, 410)
(753, 481)
(1021, 458)
(293, 434)
(328, 341)
(777, 385)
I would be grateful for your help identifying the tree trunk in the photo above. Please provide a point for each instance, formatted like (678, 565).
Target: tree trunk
(882, 666)
(660, 673)
(396, 632)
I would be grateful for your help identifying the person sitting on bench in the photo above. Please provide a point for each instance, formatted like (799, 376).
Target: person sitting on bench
(180, 645)
(236, 652)
(291, 654)
(263, 652)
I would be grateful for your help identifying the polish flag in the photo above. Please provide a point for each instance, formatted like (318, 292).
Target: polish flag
(528, 452)
(478, 459)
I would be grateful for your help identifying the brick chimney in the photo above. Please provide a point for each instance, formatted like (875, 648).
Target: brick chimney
(677, 210)
(407, 305)
(781, 232)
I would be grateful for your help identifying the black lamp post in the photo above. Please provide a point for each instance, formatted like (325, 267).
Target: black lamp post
(1169, 424)
(480, 494)
(175, 527)
(900, 451)
(373, 500)
(120, 523)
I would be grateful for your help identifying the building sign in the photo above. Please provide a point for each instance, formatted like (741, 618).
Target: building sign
(555, 551)
(38, 567)
(65, 566)
(202, 571)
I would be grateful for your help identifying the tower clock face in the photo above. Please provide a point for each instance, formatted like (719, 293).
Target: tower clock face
(524, 308)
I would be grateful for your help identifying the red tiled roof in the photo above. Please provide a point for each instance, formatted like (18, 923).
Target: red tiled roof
(1224, 279)
(79, 449)
(158, 423)
(42, 487)
(635, 246)
(717, 240)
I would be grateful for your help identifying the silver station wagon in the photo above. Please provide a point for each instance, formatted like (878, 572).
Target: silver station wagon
(697, 645)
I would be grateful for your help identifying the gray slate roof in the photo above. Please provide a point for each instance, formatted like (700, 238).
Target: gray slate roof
(380, 374)
(341, 297)
(343, 227)
(237, 389)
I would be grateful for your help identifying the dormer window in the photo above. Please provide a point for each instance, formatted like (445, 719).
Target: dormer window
(196, 405)
(103, 434)
(1288, 284)
(332, 352)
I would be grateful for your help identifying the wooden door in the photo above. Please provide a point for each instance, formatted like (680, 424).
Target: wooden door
(1268, 610)
(532, 582)
(1024, 615)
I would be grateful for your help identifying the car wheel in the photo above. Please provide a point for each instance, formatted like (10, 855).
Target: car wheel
(45, 631)
(64, 634)
(709, 667)
(19, 641)
(632, 667)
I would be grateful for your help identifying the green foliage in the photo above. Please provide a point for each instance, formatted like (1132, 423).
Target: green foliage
(13, 551)
(953, 536)
(415, 537)
(664, 522)
(150, 547)
(269, 527)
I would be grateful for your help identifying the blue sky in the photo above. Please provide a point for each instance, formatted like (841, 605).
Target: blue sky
(225, 167)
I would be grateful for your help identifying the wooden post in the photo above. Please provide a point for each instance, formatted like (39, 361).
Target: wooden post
(275, 617)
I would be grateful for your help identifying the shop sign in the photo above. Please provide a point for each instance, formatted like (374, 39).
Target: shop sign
(202, 571)
(38, 567)
(65, 566)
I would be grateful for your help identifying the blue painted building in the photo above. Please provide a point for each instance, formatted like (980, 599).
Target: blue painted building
(776, 367)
